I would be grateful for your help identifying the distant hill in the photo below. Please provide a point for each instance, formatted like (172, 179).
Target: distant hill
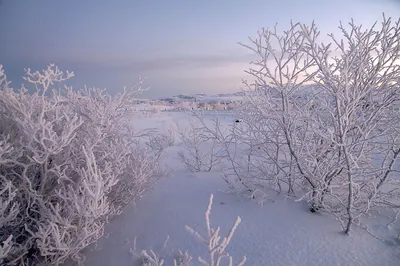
(222, 97)
(203, 98)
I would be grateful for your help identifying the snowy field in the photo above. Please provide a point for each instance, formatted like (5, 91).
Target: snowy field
(279, 232)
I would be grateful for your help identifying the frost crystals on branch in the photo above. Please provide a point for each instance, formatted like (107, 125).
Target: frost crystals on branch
(216, 247)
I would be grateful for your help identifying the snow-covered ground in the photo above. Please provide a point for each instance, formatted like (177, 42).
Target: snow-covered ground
(281, 232)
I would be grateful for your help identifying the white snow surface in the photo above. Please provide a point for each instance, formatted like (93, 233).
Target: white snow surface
(281, 232)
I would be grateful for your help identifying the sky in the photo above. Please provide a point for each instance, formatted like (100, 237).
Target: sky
(179, 47)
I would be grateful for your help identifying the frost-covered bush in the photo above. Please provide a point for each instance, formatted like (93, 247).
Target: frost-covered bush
(335, 142)
(200, 150)
(69, 161)
(171, 132)
(340, 136)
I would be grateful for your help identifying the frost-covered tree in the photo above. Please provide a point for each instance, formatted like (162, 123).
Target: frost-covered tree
(69, 161)
(339, 136)
(321, 120)
(361, 89)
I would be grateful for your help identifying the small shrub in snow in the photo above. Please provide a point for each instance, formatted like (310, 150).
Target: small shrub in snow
(199, 149)
(160, 142)
(69, 161)
(171, 129)
(216, 247)
(182, 259)
(151, 260)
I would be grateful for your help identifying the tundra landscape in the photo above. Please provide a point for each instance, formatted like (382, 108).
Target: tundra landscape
(299, 167)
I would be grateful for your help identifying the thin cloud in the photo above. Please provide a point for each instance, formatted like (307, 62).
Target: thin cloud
(156, 64)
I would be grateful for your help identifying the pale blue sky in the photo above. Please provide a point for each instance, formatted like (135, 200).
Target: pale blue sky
(180, 46)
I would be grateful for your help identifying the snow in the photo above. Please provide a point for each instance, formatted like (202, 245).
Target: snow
(279, 232)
